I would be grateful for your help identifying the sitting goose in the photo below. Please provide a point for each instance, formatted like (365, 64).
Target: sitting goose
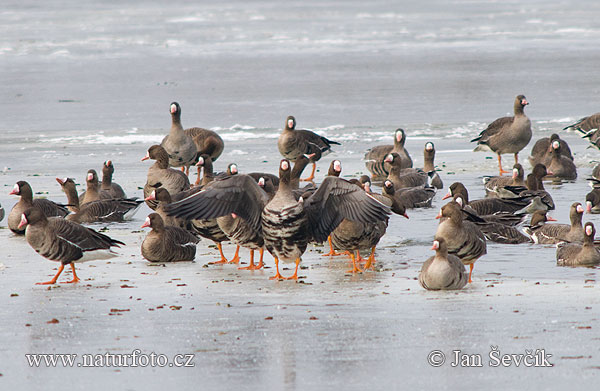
(575, 254)
(110, 210)
(180, 147)
(540, 153)
(486, 206)
(167, 243)
(114, 189)
(64, 241)
(403, 178)
(160, 175)
(293, 143)
(374, 158)
(494, 230)
(592, 201)
(163, 198)
(464, 239)
(93, 192)
(492, 184)
(561, 167)
(288, 224)
(412, 197)
(506, 134)
(442, 271)
(534, 187)
(553, 233)
(48, 208)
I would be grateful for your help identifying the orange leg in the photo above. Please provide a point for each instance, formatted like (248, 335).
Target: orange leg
(53, 280)
(223, 259)
(359, 258)
(500, 165)
(312, 174)
(332, 252)
(471, 272)
(295, 275)
(355, 268)
(75, 278)
(236, 256)
(198, 179)
(277, 276)
(252, 266)
(371, 259)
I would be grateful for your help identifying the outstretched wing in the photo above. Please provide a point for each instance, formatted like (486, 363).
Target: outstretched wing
(337, 199)
(237, 194)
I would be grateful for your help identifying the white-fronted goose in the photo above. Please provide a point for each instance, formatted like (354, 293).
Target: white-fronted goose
(592, 201)
(48, 208)
(374, 158)
(64, 241)
(561, 167)
(166, 243)
(180, 147)
(163, 198)
(293, 143)
(534, 187)
(110, 210)
(442, 271)
(506, 134)
(464, 239)
(287, 224)
(107, 185)
(413, 197)
(494, 230)
(486, 206)
(93, 191)
(575, 254)
(540, 153)
(429, 165)
(160, 175)
(403, 178)
(553, 233)
(492, 184)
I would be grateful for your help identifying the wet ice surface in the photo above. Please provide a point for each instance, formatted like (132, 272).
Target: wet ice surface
(330, 328)
(93, 82)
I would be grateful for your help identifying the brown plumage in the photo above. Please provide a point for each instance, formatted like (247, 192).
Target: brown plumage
(540, 153)
(553, 233)
(575, 254)
(179, 145)
(561, 167)
(464, 239)
(93, 191)
(403, 178)
(114, 189)
(163, 198)
(167, 243)
(492, 184)
(507, 134)
(64, 241)
(49, 208)
(486, 206)
(589, 127)
(374, 158)
(160, 175)
(442, 271)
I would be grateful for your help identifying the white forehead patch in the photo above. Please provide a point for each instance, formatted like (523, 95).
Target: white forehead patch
(588, 230)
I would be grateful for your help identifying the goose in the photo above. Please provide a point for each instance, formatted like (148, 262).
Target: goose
(464, 239)
(163, 198)
(492, 184)
(560, 166)
(486, 206)
(208, 142)
(534, 187)
(442, 271)
(542, 233)
(289, 224)
(588, 126)
(110, 210)
(575, 254)
(160, 175)
(413, 197)
(402, 178)
(429, 165)
(540, 153)
(166, 243)
(592, 201)
(293, 143)
(506, 134)
(374, 158)
(107, 185)
(64, 241)
(48, 208)
(93, 191)
(180, 147)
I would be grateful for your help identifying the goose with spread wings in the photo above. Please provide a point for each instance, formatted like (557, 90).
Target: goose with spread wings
(287, 224)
